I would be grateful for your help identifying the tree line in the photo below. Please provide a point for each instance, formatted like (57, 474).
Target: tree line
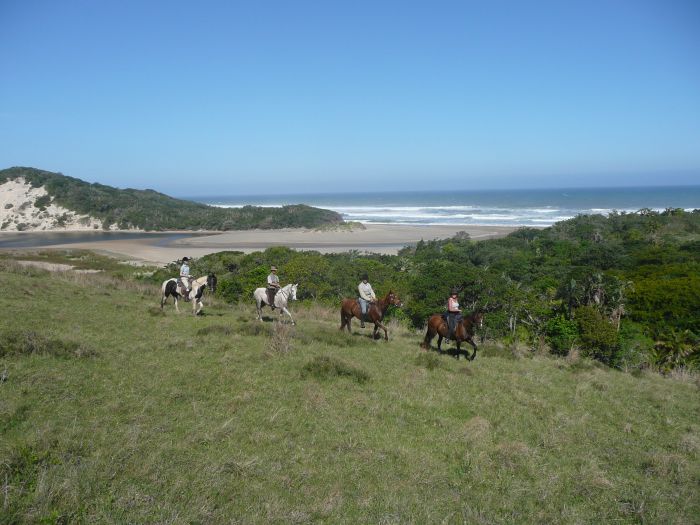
(623, 289)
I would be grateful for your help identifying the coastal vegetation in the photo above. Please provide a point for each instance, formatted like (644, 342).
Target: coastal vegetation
(150, 210)
(622, 289)
(112, 410)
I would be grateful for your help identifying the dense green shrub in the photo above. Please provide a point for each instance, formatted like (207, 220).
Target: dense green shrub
(42, 202)
(636, 348)
(561, 334)
(598, 337)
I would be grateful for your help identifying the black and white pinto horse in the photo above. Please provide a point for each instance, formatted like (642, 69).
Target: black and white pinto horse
(282, 298)
(172, 288)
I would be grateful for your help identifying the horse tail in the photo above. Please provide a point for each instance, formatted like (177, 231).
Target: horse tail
(429, 334)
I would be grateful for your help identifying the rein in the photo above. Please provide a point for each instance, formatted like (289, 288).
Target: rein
(284, 291)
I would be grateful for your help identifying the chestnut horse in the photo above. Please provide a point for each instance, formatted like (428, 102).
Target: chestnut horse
(464, 331)
(350, 308)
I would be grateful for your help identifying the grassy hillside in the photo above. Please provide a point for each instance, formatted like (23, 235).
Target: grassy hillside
(150, 210)
(113, 412)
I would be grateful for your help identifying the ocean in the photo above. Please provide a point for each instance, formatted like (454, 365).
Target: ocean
(541, 207)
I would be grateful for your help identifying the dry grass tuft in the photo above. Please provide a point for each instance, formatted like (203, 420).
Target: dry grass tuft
(428, 360)
(476, 429)
(511, 455)
(672, 467)
(328, 367)
(215, 329)
(281, 338)
(28, 342)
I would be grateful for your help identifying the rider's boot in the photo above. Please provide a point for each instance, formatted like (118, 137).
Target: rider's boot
(362, 321)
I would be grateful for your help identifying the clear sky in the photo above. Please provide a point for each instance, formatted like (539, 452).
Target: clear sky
(294, 96)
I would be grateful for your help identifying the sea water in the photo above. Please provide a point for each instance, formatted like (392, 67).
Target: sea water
(541, 207)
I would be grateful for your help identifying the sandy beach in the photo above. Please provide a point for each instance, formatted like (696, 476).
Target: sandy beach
(376, 238)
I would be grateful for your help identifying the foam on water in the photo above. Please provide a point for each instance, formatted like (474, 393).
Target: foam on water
(493, 208)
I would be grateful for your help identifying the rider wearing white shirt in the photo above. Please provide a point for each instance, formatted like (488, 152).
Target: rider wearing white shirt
(273, 284)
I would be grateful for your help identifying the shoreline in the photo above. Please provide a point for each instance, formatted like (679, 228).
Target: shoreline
(385, 239)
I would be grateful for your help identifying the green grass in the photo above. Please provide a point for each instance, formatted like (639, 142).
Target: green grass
(221, 419)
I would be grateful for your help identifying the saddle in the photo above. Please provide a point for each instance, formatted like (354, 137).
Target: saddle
(182, 291)
(271, 292)
(451, 322)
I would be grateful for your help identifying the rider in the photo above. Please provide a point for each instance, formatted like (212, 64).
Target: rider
(454, 314)
(273, 285)
(185, 278)
(366, 297)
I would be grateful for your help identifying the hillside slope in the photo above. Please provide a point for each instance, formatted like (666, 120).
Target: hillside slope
(114, 411)
(148, 209)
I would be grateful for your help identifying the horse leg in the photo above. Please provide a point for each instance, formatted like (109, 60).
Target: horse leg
(471, 342)
(258, 309)
(284, 310)
(378, 325)
(344, 321)
(427, 339)
(440, 342)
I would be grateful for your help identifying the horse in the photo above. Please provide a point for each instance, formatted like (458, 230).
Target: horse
(350, 308)
(282, 298)
(172, 287)
(464, 331)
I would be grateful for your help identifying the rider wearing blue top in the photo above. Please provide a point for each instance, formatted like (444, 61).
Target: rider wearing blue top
(185, 278)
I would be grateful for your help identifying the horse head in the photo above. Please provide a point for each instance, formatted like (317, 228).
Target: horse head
(293, 292)
(478, 319)
(211, 282)
(394, 299)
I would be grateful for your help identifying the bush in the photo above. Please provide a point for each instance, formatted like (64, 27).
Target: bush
(42, 202)
(599, 339)
(561, 334)
(636, 348)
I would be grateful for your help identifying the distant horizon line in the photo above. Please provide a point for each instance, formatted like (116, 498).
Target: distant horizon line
(393, 192)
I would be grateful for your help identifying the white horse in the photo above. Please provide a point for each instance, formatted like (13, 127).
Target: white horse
(282, 298)
(171, 287)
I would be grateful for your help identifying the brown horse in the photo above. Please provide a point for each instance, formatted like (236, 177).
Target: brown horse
(350, 308)
(464, 331)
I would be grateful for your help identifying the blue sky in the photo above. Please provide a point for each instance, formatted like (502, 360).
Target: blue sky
(291, 97)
